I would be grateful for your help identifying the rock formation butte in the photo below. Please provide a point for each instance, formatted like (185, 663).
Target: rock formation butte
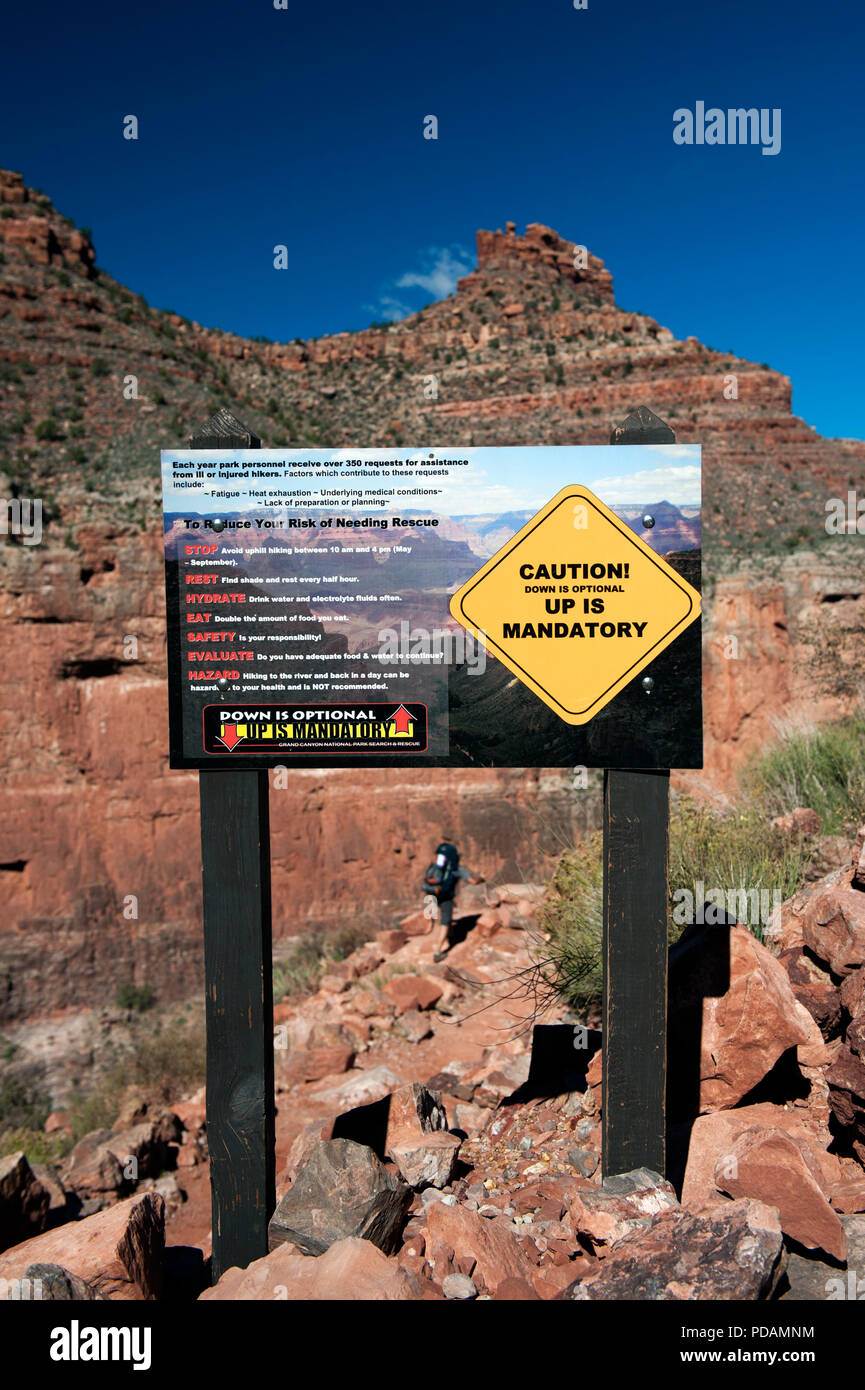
(528, 350)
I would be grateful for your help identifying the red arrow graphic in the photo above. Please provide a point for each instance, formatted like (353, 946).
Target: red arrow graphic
(402, 720)
(230, 737)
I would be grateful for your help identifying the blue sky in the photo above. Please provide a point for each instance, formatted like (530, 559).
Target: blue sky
(303, 127)
(496, 479)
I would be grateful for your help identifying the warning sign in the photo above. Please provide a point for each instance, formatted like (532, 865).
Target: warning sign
(576, 605)
(308, 602)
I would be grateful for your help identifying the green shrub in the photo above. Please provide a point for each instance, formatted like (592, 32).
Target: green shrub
(99, 367)
(736, 852)
(135, 997)
(38, 1146)
(572, 915)
(48, 429)
(299, 972)
(167, 1064)
(819, 767)
(22, 1104)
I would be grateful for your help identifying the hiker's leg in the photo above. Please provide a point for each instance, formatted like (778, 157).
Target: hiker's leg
(446, 908)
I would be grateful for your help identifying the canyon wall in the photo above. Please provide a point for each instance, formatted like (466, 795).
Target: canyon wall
(99, 862)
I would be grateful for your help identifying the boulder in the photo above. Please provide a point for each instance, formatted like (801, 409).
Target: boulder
(142, 1150)
(93, 1169)
(857, 877)
(415, 1108)
(625, 1203)
(493, 1245)
(413, 992)
(351, 1269)
(391, 941)
(367, 957)
(769, 1166)
(58, 1120)
(425, 1160)
(846, 1081)
(359, 1088)
(516, 1291)
(57, 1285)
(733, 999)
(801, 821)
(713, 1137)
(734, 1252)
(413, 1026)
(458, 1286)
(584, 1161)
(848, 1195)
(833, 923)
(192, 1114)
(815, 990)
(342, 1190)
(315, 1063)
(417, 1139)
(416, 924)
(118, 1252)
(24, 1200)
(853, 993)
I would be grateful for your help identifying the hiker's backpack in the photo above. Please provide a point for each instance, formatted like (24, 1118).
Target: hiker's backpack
(441, 876)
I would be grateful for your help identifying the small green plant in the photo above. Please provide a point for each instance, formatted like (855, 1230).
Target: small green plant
(48, 429)
(134, 997)
(99, 367)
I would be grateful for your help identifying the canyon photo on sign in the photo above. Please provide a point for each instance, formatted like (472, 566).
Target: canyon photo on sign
(512, 607)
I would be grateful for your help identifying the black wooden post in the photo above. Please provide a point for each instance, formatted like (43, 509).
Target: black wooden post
(235, 861)
(636, 897)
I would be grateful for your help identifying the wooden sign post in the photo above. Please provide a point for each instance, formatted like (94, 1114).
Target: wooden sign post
(636, 903)
(238, 966)
(610, 682)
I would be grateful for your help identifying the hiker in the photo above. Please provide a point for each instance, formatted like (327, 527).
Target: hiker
(440, 882)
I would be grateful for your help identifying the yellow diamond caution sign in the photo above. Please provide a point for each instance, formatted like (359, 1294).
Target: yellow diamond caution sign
(576, 604)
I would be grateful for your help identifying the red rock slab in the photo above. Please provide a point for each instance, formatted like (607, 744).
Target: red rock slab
(413, 992)
(416, 924)
(351, 1270)
(768, 1166)
(713, 1136)
(550, 1280)
(848, 1196)
(391, 941)
(853, 993)
(727, 1252)
(492, 1244)
(516, 1290)
(833, 923)
(744, 1030)
(846, 1081)
(315, 1063)
(118, 1251)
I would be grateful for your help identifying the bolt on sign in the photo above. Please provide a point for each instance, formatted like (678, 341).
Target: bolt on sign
(576, 605)
(459, 607)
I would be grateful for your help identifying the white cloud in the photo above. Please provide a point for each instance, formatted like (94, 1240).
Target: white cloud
(440, 268)
(679, 485)
(443, 269)
(392, 309)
